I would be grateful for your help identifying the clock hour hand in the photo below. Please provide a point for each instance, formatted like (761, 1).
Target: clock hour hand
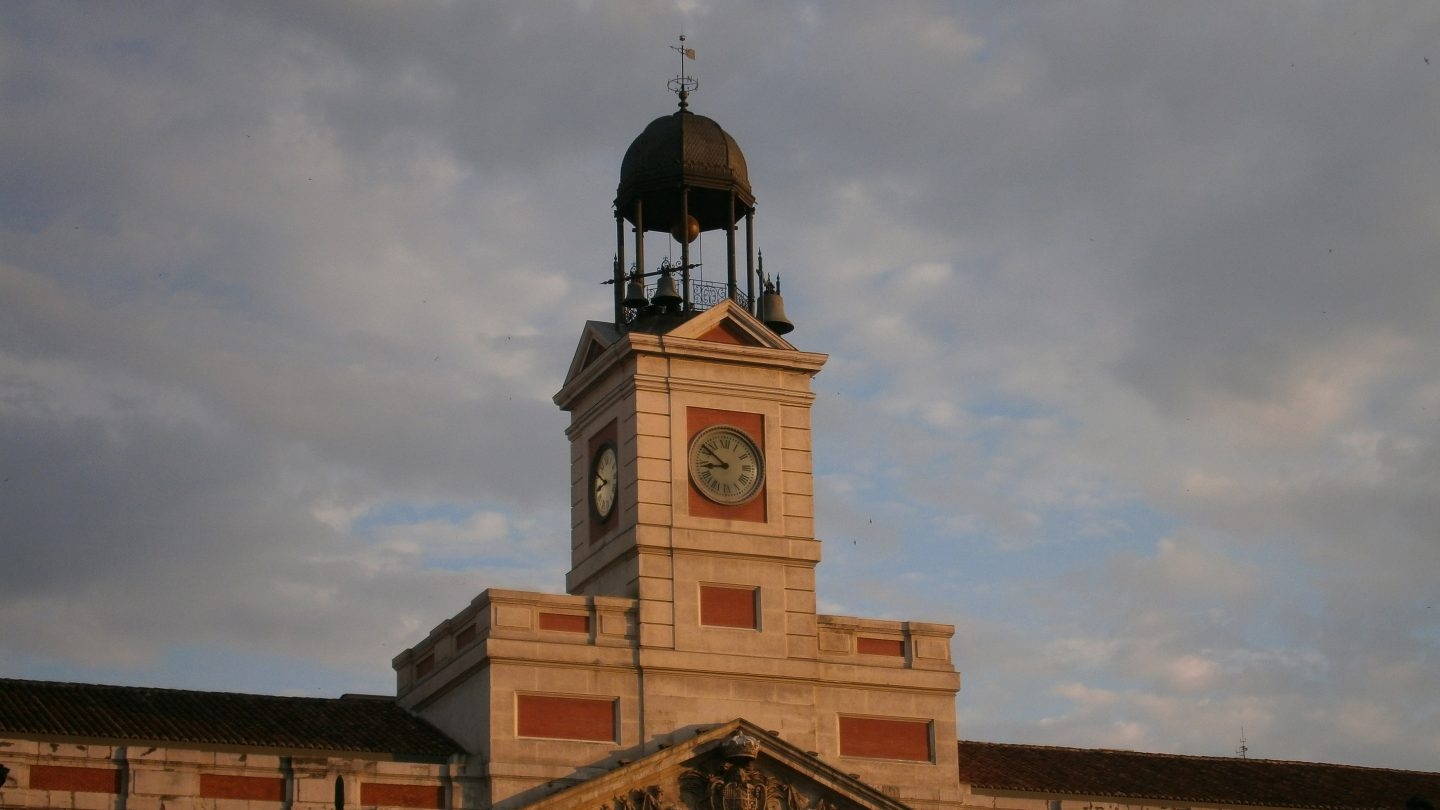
(707, 465)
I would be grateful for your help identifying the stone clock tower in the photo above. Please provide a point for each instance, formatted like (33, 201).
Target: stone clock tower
(690, 605)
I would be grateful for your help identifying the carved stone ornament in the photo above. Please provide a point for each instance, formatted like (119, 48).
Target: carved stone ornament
(651, 797)
(737, 784)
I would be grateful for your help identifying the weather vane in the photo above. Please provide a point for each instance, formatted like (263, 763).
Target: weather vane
(683, 85)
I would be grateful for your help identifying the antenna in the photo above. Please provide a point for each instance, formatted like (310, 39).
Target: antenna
(683, 85)
(1243, 749)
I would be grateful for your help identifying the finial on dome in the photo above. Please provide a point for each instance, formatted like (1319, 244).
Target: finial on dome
(683, 85)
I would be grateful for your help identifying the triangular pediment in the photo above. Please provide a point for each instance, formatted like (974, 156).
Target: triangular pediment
(594, 340)
(732, 766)
(728, 322)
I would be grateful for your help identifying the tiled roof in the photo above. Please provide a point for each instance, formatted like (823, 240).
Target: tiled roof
(120, 713)
(1170, 779)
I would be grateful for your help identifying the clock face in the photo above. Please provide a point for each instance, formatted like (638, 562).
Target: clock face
(604, 472)
(725, 465)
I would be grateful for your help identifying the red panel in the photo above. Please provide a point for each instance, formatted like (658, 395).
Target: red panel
(697, 419)
(564, 622)
(565, 718)
(885, 739)
(727, 332)
(880, 646)
(252, 788)
(388, 795)
(606, 435)
(424, 666)
(83, 780)
(722, 606)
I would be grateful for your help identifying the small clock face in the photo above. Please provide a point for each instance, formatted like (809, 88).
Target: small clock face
(725, 465)
(604, 472)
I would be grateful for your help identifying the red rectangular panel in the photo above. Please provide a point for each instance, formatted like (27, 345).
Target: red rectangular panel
(722, 606)
(252, 788)
(565, 718)
(83, 780)
(606, 435)
(388, 795)
(885, 739)
(880, 646)
(564, 622)
(425, 665)
(696, 420)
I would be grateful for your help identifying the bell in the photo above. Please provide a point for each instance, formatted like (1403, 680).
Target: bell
(666, 293)
(635, 293)
(772, 311)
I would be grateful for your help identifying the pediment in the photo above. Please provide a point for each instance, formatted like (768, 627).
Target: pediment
(728, 322)
(737, 765)
(594, 340)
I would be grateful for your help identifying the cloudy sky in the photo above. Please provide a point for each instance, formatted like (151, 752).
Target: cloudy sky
(1133, 315)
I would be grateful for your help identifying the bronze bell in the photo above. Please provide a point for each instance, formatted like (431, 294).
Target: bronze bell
(666, 293)
(635, 292)
(772, 311)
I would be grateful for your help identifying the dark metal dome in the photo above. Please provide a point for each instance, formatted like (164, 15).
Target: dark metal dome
(684, 151)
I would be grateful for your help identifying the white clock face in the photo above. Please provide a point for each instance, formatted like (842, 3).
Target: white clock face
(603, 484)
(725, 465)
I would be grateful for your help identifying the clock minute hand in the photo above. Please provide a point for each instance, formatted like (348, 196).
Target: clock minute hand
(723, 463)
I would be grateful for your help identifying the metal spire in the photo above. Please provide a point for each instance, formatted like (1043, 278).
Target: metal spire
(683, 85)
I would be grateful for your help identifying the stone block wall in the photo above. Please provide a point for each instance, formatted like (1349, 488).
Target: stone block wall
(86, 776)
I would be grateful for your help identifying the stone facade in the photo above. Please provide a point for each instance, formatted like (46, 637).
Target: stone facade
(88, 776)
(509, 676)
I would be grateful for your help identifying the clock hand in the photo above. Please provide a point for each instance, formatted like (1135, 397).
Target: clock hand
(722, 465)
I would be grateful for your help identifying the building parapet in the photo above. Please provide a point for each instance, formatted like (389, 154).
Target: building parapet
(883, 642)
(496, 615)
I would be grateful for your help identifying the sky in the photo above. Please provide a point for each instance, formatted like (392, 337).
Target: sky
(1132, 312)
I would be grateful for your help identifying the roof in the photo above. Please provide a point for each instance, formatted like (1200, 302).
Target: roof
(690, 151)
(1192, 780)
(129, 713)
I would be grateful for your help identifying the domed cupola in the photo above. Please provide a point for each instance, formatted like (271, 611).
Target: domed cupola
(684, 176)
(688, 153)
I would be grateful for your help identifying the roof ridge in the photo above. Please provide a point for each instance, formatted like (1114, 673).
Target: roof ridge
(176, 690)
(1212, 757)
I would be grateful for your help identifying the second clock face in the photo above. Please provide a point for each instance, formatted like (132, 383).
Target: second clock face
(604, 471)
(725, 465)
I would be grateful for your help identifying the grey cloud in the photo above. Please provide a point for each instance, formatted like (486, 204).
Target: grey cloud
(295, 258)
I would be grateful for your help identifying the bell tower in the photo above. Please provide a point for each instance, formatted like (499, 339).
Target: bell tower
(690, 602)
(691, 483)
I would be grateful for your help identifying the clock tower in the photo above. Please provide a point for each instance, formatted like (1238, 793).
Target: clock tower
(706, 410)
(691, 597)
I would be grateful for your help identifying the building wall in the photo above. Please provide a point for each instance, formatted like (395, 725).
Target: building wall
(479, 666)
(93, 776)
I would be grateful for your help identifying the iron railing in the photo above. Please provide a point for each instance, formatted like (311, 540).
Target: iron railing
(704, 294)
